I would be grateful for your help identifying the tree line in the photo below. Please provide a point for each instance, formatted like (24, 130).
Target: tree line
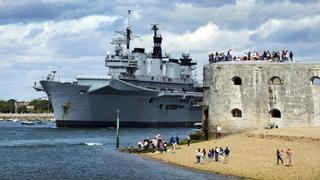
(12, 106)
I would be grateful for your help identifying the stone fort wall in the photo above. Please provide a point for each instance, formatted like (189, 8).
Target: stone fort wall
(240, 96)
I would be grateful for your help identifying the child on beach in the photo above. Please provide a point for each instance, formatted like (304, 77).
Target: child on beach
(198, 155)
(203, 155)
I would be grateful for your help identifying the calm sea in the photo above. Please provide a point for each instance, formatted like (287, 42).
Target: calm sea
(45, 152)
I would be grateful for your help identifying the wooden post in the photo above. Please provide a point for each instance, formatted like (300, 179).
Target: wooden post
(117, 130)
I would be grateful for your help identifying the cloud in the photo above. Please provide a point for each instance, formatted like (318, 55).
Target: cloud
(69, 37)
(74, 35)
(289, 30)
(4, 64)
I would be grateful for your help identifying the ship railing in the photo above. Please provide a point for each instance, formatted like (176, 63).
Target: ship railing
(169, 93)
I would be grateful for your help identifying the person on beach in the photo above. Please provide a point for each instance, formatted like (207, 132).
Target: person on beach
(171, 140)
(174, 146)
(289, 156)
(212, 153)
(209, 155)
(165, 146)
(221, 153)
(218, 132)
(198, 155)
(188, 140)
(145, 144)
(226, 153)
(216, 154)
(177, 139)
(154, 143)
(203, 155)
(279, 154)
(161, 147)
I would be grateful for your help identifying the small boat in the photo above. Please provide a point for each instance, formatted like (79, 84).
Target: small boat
(38, 121)
(198, 125)
(15, 120)
(27, 123)
(93, 144)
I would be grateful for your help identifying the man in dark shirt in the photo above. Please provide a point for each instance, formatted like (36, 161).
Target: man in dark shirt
(226, 153)
(279, 156)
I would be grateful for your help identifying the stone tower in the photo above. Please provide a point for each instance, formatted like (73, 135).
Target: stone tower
(240, 96)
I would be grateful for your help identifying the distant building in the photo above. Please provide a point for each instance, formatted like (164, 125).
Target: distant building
(19, 105)
(30, 108)
(240, 96)
(22, 103)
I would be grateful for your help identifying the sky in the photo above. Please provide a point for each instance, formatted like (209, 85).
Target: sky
(73, 36)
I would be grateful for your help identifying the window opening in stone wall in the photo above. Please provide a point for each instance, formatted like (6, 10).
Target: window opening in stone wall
(275, 80)
(236, 80)
(315, 80)
(236, 113)
(275, 113)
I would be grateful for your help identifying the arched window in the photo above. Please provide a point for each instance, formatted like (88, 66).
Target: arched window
(236, 80)
(275, 80)
(315, 80)
(275, 113)
(236, 112)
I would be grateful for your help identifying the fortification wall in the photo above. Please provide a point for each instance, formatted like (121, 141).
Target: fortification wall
(264, 88)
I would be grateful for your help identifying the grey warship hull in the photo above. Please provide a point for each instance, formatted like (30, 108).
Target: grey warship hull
(149, 89)
(87, 105)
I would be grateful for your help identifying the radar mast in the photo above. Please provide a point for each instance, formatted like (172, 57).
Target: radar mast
(157, 40)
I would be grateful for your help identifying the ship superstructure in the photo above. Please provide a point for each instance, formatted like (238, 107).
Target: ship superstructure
(148, 89)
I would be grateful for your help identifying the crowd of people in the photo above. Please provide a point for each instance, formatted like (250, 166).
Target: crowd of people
(275, 56)
(158, 143)
(217, 154)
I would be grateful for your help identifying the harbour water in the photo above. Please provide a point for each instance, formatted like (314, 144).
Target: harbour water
(42, 151)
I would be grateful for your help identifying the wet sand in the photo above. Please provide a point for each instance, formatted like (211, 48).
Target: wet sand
(253, 154)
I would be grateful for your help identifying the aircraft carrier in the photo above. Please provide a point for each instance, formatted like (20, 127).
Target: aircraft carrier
(149, 89)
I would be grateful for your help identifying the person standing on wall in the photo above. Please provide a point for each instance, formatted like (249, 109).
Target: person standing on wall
(291, 55)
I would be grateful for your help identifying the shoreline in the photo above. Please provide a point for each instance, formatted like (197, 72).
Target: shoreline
(143, 155)
(26, 116)
(253, 154)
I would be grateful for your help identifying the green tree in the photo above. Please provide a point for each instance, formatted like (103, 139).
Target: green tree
(12, 105)
(22, 109)
(7, 106)
(41, 106)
